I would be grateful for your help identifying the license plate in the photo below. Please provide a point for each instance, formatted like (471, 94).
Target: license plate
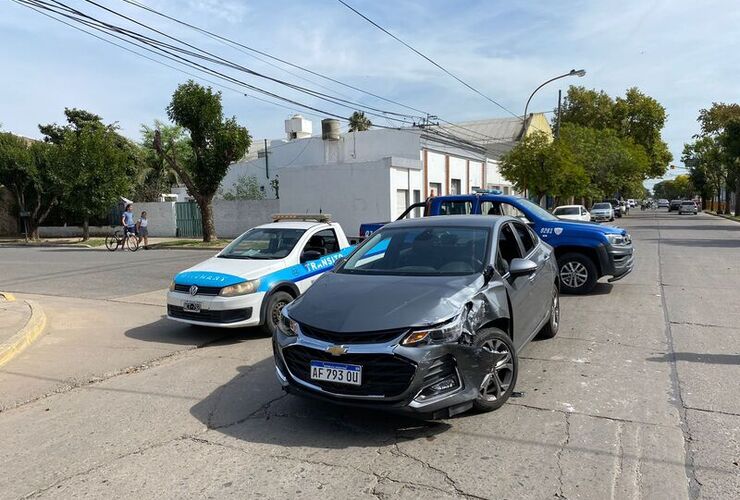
(339, 373)
(193, 307)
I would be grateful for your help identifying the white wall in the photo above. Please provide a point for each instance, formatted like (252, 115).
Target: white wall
(494, 179)
(436, 172)
(352, 193)
(232, 218)
(161, 216)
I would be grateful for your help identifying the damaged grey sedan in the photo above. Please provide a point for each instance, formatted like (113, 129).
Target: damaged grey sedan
(425, 317)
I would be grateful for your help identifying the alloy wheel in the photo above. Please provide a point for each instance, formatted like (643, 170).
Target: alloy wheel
(497, 382)
(573, 274)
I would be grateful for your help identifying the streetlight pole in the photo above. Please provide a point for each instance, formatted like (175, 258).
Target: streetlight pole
(573, 72)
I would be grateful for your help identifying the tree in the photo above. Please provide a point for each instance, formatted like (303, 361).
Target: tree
(96, 164)
(30, 172)
(246, 187)
(730, 141)
(154, 176)
(671, 189)
(358, 122)
(215, 142)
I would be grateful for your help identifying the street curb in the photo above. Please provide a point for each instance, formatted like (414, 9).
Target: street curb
(9, 297)
(721, 215)
(46, 245)
(175, 247)
(18, 342)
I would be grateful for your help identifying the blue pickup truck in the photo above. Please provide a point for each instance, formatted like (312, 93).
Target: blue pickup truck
(585, 251)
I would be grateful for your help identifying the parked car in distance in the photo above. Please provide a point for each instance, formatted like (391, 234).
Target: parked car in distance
(616, 206)
(602, 212)
(662, 203)
(674, 205)
(687, 207)
(632, 203)
(572, 212)
(250, 281)
(425, 317)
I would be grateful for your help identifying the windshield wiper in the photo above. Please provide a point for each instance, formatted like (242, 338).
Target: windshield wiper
(234, 257)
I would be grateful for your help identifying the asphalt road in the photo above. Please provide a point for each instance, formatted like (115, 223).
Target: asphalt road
(637, 397)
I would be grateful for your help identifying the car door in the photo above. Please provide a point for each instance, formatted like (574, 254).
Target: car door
(519, 288)
(542, 280)
(320, 243)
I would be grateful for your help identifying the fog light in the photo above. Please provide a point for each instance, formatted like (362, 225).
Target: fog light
(444, 385)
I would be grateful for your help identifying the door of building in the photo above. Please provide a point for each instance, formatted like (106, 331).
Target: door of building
(189, 224)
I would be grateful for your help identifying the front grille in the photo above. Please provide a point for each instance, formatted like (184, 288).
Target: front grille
(211, 316)
(202, 290)
(376, 337)
(382, 374)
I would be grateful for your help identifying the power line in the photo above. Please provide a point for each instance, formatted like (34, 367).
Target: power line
(426, 57)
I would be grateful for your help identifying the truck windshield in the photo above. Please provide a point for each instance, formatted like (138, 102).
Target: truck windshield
(537, 210)
(263, 243)
(422, 251)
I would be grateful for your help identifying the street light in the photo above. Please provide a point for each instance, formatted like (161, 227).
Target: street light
(573, 72)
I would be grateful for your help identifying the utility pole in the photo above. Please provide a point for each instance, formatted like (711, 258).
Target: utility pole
(557, 129)
(267, 161)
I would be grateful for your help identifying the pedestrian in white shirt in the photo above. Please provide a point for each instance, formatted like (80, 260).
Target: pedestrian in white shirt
(142, 226)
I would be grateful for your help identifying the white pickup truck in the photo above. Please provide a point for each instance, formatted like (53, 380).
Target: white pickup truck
(251, 280)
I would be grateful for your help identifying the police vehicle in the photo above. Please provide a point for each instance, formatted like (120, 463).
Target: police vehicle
(251, 280)
(585, 251)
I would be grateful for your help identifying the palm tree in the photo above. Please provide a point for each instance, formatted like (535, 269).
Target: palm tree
(358, 122)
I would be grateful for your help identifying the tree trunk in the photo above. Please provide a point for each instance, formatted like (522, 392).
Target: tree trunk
(86, 229)
(206, 213)
(727, 210)
(737, 194)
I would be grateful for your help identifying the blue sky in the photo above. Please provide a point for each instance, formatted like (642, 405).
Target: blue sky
(682, 52)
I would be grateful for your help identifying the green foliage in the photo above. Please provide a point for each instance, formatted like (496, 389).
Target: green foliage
(154, 176)
(245, 188)
(672, 189)
(358, 122)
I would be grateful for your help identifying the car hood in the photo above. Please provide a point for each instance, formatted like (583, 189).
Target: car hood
(585, 227)
(360, 303)
(224, 272)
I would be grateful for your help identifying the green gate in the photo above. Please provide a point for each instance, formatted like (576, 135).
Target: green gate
(189, 223)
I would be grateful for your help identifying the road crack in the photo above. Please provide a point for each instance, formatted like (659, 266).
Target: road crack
(559, 457)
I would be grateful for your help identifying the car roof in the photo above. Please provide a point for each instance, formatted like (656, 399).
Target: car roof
(568, 206)
(452, 220)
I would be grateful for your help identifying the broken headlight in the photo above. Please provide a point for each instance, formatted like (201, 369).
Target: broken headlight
(447, 331)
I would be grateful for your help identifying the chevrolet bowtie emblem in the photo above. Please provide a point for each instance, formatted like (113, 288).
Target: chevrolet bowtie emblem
(336, 350)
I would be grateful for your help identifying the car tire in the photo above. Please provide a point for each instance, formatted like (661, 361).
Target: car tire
(275, 304)
(577, 273)
(611, 220)
(496, 386)
(553, 321)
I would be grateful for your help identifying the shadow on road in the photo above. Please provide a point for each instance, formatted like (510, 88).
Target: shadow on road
(252, 407)
(693, 357)
(601, 289)
(166, 331)
(705, 243)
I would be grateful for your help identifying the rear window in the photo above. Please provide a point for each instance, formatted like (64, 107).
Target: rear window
(567, 211)
(455, 208)
(687, 203)
(601, 206)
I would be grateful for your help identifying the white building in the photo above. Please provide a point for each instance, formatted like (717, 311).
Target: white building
(376, 174)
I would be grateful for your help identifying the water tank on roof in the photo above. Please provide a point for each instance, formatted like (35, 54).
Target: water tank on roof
(330, 129)
(297, 127)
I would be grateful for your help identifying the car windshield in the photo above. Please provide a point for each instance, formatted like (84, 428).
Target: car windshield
(567, 211)
(537, 210)
(422, 251)
(263, 243)
(601, 206)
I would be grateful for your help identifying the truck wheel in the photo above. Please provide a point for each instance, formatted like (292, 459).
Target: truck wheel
(498, 384)
(275, 305)
(577, 273)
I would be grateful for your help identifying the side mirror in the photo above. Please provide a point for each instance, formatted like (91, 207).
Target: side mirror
(522, 267)
(310, 255)
(487, 274)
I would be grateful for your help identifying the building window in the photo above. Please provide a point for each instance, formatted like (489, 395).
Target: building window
(402, 201)
(417, 199)
(455, 185)
(435, 189)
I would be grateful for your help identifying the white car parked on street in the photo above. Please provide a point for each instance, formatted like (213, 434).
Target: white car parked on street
(603, 211)
(251, 280)
(572, 212)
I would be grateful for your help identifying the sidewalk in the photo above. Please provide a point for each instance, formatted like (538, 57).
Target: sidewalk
(97, 243)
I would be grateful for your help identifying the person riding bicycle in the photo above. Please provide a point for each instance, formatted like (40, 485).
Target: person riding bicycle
(127, 221)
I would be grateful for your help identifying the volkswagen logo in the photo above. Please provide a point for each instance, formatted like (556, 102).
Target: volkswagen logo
(193, 290)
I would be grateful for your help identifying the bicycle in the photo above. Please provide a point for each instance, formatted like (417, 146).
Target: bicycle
(129, 240)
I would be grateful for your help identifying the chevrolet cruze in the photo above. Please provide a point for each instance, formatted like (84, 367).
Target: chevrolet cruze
(426, 316)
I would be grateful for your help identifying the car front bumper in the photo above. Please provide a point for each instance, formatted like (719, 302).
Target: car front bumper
(616, 261)
(216, 311)
(403, 385)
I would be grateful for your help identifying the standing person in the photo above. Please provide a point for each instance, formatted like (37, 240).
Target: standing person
(142, 226)
(127, 221)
